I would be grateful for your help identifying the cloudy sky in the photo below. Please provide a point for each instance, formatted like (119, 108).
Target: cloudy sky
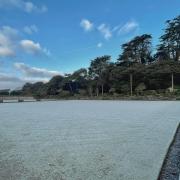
(40, 39)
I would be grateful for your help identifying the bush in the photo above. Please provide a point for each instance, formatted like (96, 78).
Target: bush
(82, 92)
(64, 93)
(140, 88)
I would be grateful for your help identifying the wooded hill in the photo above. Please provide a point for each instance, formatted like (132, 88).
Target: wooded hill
(137, 71)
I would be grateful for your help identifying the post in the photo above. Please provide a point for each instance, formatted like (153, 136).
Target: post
(97, 91)
(131, 84)
(102, 89)
(172, 81)
(90, 91)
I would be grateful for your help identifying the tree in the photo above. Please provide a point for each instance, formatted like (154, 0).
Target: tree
(55, 84)
(137, 50)
(96, 71)
(27, 89)
(79, 77)
(171, 68)
(170, 40)
(132, 71)
(161, 54)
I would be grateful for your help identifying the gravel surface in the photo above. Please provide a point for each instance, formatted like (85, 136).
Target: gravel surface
(85, 140)
(171, 165)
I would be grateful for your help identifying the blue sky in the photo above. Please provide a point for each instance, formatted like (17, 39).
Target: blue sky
(39, 39)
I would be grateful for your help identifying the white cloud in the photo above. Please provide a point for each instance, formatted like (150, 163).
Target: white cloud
(31, 29)
(31, 47)
(26, 6)
(9, 31)
(27, 74)
(5, 77)
(128, 27)
(105, 31)
(99, 45)
(86, 25)
(108, 31)
(116, 28)
(6, 52)
(10, 43)
(8, 81)
(34, 72)
(8, 37)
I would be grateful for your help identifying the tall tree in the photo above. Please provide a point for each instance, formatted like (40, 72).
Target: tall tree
(96, 71)
(170, 40)
(79, 78)
(161, 53)
(137, 50)
(54, 85)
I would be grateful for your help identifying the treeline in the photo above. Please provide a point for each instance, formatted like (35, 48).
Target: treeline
(138, 70)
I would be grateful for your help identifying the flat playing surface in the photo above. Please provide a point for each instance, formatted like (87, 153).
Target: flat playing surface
(85, 140)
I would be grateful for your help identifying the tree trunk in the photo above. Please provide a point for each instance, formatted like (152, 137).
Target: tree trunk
(97, 91)
(131, 84)
(102, 89)
(70, 87)
(172, 82)
(177, 55)
(90, 91)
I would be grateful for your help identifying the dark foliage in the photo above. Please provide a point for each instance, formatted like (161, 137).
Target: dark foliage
(137, 70)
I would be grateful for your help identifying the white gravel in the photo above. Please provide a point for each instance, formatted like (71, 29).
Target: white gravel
(85, 140)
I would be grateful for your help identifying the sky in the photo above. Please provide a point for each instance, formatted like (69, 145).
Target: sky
(41, 39)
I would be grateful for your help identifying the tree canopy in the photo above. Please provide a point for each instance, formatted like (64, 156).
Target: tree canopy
(139, 68)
